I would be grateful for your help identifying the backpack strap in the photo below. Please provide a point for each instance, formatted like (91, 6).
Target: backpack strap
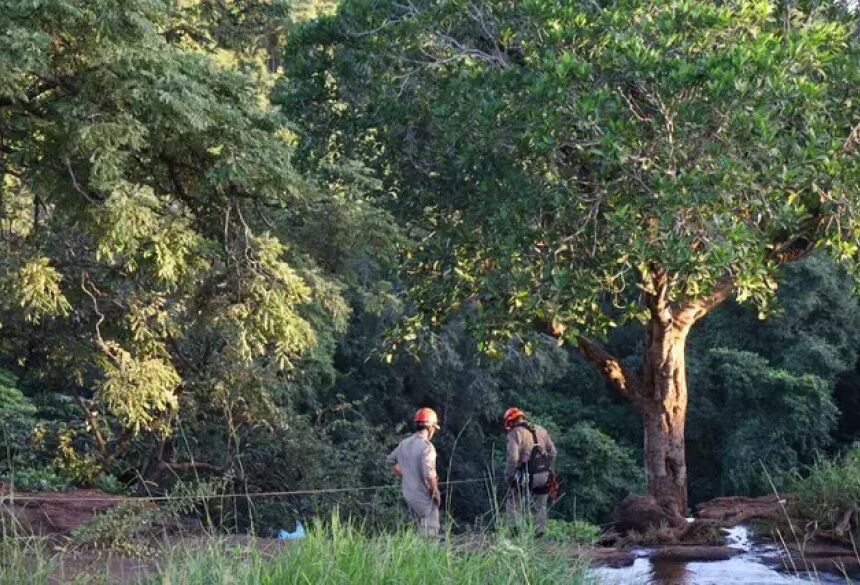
(533, 430)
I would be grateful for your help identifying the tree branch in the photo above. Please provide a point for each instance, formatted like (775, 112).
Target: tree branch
(189, 466)
(623, 380)
(89, 197)
(91, 420)
(657, 297)
(687, 314)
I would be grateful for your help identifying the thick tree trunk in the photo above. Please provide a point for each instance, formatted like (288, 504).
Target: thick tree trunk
(665, 384)
(665, 468)
(661, 393)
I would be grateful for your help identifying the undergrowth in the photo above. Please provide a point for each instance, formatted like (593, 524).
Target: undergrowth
(338, 552)
(342, 554)
(829, 493)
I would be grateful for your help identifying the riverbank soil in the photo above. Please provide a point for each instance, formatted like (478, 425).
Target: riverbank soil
(51, 514)
(119, 569)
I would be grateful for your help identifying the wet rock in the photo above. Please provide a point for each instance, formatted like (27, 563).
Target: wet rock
(640, 514)
(695, 553)
(609, 557)
(730, 511)
(702, 533)
(819, 549)
(840, 565)
(52, 513)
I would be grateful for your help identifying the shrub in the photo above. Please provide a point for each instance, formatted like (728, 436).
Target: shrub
(575, 532)
(37, 479)
(17, 421)
(829, 492)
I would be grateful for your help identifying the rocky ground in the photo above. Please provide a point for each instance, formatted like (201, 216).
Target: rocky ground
(773, 538)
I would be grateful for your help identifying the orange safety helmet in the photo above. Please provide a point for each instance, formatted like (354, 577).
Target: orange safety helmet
(427, 416)
(512, 414)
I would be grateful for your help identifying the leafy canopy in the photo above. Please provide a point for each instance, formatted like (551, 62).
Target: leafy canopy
(551, 156)
(151, 219)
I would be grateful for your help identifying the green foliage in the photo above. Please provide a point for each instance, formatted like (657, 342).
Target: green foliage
(342, 553)
(164, 259)
(575, 532)
(814, 331)
(36, 479)
(17, 413)
(596, 472)
(138, 391)
(34, 288)
(758, 415)
(549, 158)
(115, 530)
(828, 491)
(242, 28)
(110, 485)
(17, 424)
(752, 400)
(132, 528)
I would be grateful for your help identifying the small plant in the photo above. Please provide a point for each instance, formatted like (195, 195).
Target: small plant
(39, 479)
(575, 532)
(117, 530)
(24, 561)
(110, 485)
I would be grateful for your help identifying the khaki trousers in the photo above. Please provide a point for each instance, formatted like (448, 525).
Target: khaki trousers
(426, 514)
(518, 500)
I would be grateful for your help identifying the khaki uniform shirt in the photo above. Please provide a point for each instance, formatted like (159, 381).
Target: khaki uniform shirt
(520, 444)
(417, 459)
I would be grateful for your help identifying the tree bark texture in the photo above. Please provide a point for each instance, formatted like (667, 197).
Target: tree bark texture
(660, 391)
(665, 383)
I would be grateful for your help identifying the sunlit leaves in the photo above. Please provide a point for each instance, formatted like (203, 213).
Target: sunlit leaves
(148, 197)
(34, 288)
(139, 232)
(704, 139)
(138, 390)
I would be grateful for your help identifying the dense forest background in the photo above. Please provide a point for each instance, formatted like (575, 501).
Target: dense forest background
(186, 302)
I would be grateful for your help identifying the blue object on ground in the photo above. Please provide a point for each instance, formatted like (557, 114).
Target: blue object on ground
(296, 534)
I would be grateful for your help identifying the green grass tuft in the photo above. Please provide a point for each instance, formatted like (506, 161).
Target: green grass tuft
(830, 493)
(342, 554)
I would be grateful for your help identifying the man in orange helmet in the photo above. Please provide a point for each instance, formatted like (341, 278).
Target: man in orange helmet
(530, 456)
(414, 460)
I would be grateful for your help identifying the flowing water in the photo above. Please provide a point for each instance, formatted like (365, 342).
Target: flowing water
(751, 567)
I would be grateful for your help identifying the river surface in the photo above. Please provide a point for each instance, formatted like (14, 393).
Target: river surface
(751, 567)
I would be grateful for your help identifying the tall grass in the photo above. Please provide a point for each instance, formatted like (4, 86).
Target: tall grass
(342, 554)
(24, 561)
(829, 492)
(338, 553)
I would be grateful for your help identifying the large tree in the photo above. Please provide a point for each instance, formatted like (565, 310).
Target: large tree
(161, 254)
(566, 166)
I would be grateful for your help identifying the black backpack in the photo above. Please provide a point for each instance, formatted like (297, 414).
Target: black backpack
(539, 461)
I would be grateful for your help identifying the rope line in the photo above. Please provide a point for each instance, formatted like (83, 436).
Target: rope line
(109, 498)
